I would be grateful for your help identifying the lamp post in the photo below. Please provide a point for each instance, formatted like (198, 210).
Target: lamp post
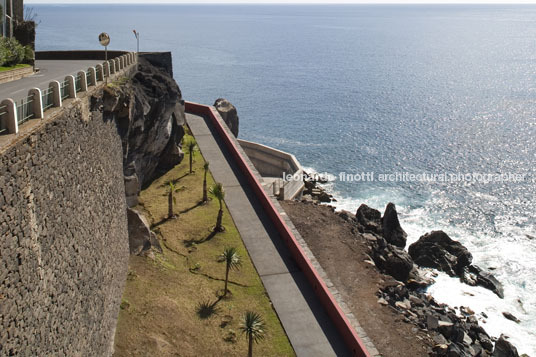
(137, 35)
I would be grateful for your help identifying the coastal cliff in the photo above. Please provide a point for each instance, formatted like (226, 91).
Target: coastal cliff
(149, 113)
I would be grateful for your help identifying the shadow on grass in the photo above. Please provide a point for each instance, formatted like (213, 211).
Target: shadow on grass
(162, 221)
(190, 242)
(200, 203)
(206, 309)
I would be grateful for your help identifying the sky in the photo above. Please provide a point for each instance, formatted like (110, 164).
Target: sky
(284, 1)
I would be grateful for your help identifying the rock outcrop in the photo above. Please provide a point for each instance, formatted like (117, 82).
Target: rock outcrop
(391, 229)
(473, 275)
(228, 113)
(392, 260)
(141, 239)
(369, 219)
(149, 112)
(437, 250)
(503, 348)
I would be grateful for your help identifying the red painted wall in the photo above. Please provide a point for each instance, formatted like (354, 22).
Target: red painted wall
(338, 317)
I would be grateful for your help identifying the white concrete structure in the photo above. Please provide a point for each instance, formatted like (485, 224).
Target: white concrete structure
(273, 164)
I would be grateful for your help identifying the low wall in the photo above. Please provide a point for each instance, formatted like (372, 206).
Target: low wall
(275, 163)
(63, 235)
(14, 74)
(77, 55)
(325, 297)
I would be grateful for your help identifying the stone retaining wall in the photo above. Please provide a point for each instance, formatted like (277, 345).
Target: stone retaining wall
(63, 236)
(14, 74)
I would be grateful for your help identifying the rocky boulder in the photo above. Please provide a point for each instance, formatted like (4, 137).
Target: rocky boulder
(369, 219)
(503, 348)
(392, 260)
(473, 275)
(437, 250)
(228, 113)
(391, 229)
(141, 238)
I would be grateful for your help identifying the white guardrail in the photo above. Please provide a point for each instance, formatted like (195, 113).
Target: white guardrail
(15, 113)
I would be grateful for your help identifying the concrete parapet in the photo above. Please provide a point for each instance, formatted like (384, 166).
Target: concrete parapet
(274, 164)
(111, 66)
(72, 86)
(10, 118)
(37, 103)
(99, 69)
(56, 93)
(92, 78)
(83, 81)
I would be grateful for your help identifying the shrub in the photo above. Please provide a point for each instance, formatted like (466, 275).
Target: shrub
(12, 52)
(29, 54)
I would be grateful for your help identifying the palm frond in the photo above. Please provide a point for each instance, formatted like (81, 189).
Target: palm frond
(217, 191)
(253, 326)
(231, 258)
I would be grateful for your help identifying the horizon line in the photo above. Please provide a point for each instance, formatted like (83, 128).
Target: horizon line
(277, 2)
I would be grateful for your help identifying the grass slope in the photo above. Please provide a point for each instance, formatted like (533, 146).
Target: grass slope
(161, 313)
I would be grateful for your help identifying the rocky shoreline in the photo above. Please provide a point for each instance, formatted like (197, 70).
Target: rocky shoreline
(453, 332)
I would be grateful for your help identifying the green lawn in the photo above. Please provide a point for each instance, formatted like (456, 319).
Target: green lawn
(161, 312)
(3, 69)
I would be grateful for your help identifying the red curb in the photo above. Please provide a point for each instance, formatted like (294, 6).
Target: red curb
(320, 288)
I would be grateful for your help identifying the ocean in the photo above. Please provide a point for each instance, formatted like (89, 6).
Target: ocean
(437, 104)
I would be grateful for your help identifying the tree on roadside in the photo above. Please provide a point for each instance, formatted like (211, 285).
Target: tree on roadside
(232, 261)
(191, 144)
(217, 191)
(171, 200)
(253, 327)
(205, 168)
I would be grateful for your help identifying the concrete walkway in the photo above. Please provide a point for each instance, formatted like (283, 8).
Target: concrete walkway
(305, 321)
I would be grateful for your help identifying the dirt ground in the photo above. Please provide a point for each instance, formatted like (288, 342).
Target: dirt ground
(342, 253)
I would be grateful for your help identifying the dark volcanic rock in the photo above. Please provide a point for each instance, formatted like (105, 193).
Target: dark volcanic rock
(393, 261)
(473, 275)
(369, 218)
(438, 250)
(511, 317)
(391, 229)
(228, 113)
(503, 348)
(149, 113)
(140, 237)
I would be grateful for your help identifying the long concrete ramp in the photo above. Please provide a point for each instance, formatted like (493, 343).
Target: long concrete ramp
(309, 329)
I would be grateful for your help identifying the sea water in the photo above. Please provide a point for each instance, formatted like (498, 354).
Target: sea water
(388, 90)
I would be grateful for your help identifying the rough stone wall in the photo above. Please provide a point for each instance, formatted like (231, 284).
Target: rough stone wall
(63, 237)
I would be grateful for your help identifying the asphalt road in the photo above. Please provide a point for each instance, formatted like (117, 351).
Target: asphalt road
(49, 71)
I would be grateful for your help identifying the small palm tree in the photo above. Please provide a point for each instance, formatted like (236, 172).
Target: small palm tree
(254, 328)
(232, 261)
(205, 168)
(218, 192)
(171, 200)
(191, 144)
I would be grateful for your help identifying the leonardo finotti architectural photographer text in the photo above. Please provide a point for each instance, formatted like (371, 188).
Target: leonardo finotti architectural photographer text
(412, 177)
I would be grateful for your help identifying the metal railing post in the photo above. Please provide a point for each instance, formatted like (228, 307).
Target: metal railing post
(72, 86)
(10, 120)
(37, 104)
(56, 93)
(83, 81)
